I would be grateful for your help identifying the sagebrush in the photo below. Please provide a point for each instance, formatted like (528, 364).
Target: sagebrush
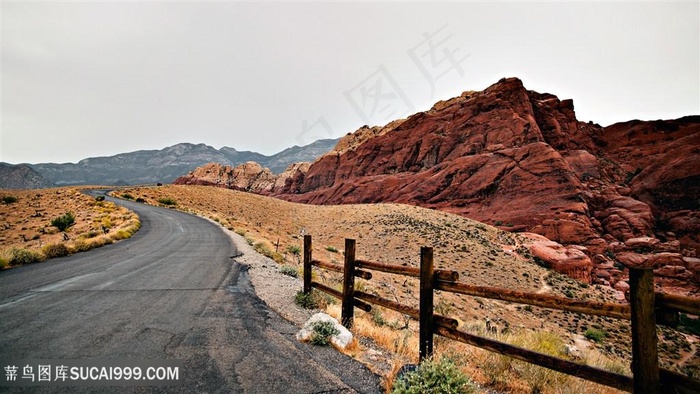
(63, 222)
(434, 377)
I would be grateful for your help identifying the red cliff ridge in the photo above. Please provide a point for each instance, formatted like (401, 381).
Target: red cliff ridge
(628, 193)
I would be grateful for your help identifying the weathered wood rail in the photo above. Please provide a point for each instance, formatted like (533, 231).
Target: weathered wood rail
(644, 309)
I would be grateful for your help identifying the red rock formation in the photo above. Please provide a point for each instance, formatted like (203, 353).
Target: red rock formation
(659, 161)
(521, 160)
(249, 176)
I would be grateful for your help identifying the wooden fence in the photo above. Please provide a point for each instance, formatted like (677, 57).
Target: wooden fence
(645, 310)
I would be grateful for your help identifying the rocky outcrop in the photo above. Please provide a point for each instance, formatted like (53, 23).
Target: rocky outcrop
(569, 260)
(249, 176)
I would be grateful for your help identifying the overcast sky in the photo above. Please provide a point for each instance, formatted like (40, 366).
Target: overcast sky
(96, 79)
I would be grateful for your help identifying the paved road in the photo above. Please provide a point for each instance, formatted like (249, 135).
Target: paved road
(170, 292)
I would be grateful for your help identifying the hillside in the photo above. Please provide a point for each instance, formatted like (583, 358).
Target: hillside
(152, 166)
(521, 161)
(21, 176)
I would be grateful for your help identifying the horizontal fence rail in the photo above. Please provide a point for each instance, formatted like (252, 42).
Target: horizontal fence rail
(644, 309)
(618, 311)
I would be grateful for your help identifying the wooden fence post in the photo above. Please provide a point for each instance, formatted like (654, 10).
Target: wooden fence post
(348, 284)
(645, 362)
(307, 264)
(427, 276)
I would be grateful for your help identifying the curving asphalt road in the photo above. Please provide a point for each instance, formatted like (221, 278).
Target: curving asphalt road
(172, 291)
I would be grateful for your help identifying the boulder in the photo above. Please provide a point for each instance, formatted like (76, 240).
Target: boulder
(631, 259)
(568, 260)
(341, 340)
(622, 286)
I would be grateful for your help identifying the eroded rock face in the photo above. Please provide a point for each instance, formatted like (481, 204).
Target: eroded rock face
(521, 160)
(484, 155)
(249, 176)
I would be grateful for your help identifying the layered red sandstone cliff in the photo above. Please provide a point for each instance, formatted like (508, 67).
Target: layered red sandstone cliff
(521, 160)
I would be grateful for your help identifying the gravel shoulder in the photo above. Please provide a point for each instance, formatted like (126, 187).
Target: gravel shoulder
(278, 290)
(273, 287)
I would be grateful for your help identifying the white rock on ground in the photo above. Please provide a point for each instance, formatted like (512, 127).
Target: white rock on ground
(340, 340)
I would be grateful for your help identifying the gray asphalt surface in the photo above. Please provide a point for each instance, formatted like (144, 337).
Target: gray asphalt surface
(170, 292)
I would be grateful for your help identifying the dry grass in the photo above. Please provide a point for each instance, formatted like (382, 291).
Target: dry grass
(26, 223)
(394, 233)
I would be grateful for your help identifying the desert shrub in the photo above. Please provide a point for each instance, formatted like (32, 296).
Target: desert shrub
(434, 377)
(538, 377)
(306, 300)
(501, 370)
(9, 199)
(377, 318)
(331, 249)
(121, 234)
(127, 196)
(595, 335)
(323, 331)
(289, 271)
(90, 234)
(167, 201)
(293, 249)
(4, 263)
(23, 256)
(443, 307)
(261, 248)
(106, 221)
(100, 241)
(240, 232)
(64, 221)
(80, 246)
(55, 250)
(523, 251)
(141, 200)
(264, 250)
(100, 198)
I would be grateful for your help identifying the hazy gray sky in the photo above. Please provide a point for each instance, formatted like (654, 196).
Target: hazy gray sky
(94, 79)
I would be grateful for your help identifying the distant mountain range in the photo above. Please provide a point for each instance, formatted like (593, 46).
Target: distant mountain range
(150, 166)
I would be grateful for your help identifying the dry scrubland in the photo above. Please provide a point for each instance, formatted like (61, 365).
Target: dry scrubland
(483, 255)
(27, 235)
